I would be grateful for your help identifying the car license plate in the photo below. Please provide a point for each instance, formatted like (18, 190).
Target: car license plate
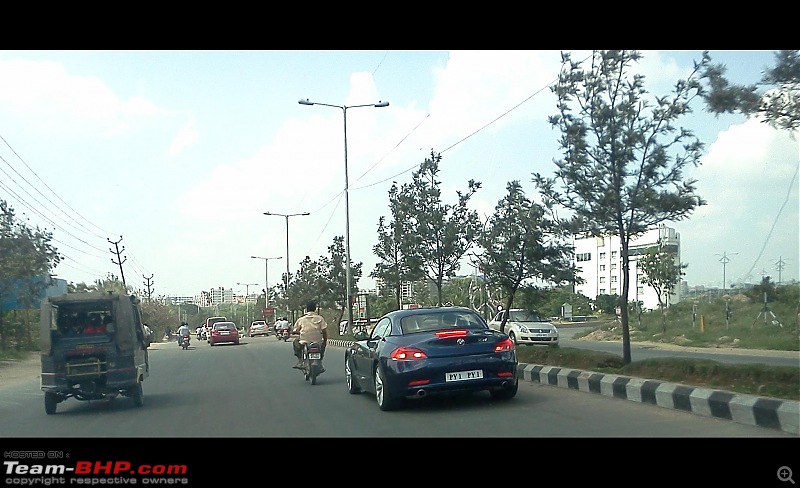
(539, 335)
(314, 355)
(224, 332)
(475, 374)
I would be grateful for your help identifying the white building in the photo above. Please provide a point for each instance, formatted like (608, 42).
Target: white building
(600, 262)
(221, 295)
(406, 289)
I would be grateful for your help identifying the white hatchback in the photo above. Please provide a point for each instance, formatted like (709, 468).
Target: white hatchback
(526, 328)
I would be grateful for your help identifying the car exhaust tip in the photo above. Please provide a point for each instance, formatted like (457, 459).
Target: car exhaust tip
(421, 393)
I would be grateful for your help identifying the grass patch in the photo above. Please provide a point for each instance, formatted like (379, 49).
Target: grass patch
(772, 381)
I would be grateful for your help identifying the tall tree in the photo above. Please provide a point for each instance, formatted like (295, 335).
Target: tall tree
(623, 160)
(457, 292)
(311, 283)
(25, 253)
(663, 274)
(775, 99)
(334, 276)
(111, 283)
(396, 264)
(521, 244)
(446, 231)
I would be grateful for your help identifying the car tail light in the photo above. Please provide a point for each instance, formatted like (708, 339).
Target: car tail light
(504, 345)
(407, 354)
(451, 333)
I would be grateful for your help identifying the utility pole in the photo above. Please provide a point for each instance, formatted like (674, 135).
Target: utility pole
(779, 266)
(119, 261)
(148, 284)
(725, 260)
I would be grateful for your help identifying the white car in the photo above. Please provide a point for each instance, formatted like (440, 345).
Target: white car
(526, 328)
(259, 327)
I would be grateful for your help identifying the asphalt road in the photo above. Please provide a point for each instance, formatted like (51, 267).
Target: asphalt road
(250, 390)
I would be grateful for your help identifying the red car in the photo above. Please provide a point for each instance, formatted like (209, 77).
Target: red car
(223, 332)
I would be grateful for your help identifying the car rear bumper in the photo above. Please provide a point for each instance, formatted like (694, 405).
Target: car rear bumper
(407, 379)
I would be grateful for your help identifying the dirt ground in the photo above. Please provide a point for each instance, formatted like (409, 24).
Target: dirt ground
(14, 371)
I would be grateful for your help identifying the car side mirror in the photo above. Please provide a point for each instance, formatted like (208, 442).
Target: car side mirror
(360, 335)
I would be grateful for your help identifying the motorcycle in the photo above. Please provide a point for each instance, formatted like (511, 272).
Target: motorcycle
(312, 361)
(184, 342)
(282, 332)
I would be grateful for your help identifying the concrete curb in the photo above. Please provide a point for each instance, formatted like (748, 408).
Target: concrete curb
(771, 413)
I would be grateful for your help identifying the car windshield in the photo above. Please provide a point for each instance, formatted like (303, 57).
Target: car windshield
(440, 320)
(522, 316)
(221, 326)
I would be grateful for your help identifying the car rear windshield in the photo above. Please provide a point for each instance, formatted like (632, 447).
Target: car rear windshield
(441, 320)
(224, 326)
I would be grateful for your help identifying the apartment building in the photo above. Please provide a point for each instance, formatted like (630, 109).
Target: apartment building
(600, 262)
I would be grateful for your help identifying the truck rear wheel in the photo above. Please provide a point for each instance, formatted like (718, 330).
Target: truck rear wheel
(138, 394)
(50, 402)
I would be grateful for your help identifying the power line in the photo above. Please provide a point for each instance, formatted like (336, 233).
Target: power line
(775, 222)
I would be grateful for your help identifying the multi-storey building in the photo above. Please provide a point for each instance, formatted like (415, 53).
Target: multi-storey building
(221, 295)
(406, 289)
(599, 260)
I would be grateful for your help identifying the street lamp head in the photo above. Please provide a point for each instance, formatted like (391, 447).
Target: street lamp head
(382, 104)
(305, 102)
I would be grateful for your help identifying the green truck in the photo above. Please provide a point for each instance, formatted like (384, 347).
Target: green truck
(93, 347)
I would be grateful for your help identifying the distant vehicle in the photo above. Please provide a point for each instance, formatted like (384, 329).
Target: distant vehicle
(259, 328)
(208, 323)
(223, 332)
(412, 353)
(526, 328)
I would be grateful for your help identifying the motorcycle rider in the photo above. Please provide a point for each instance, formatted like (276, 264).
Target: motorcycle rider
(311, 327)
(183, 331)
(280, 324)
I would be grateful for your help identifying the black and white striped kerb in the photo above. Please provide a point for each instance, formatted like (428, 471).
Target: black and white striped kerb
(765, 412)
(746, 409)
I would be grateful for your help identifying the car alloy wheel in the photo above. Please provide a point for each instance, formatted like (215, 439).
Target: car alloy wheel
(352, 387)
(513, 337)
(385, 399)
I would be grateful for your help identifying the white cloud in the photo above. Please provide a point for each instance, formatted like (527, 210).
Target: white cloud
(44, 94)
(187, 136)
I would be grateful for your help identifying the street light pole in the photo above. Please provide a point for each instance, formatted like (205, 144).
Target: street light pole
(246, 302)
(266, 275)
(286, 284)
(348, 291)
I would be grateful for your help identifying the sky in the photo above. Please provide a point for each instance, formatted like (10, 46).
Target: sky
(176, 156)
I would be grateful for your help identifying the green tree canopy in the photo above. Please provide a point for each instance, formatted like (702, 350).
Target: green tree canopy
(622, 170)
(398, 262)
(446, 231)
(662, 273)
(775, 98)
(521, 244)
